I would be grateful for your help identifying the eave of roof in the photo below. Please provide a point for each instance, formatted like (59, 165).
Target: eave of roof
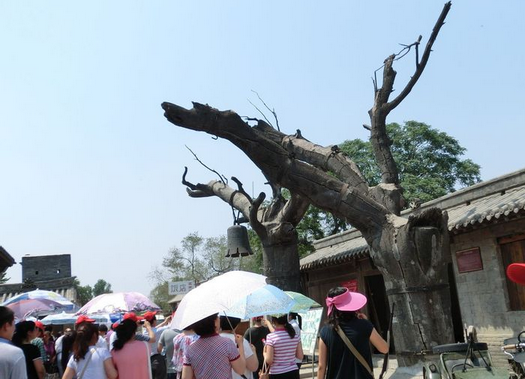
(483, 203)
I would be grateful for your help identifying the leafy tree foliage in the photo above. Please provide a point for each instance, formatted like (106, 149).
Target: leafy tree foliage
(3, 277)
(199, 259)
(100, 287)
(84, 293)
(429, 161)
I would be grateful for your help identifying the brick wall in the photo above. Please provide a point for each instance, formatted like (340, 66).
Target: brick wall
(483, 294)
(46, 267)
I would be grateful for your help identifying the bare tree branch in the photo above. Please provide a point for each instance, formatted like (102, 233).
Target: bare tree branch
(222, 178)
(295, 209)
(261, 112)
(256, 225)
(271, 110)
(424, 59)
(241, 189)
(278, 166)
(381, 108)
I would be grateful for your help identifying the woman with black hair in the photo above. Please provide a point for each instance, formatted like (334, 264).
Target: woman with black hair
(283, 347)
(89, 361)
(25, 332)
(67, 350)
(213, 356)
(335, 358)
(130, 356)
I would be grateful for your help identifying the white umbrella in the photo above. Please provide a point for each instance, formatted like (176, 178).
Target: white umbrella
(70, 318)
(60, 319)
(216, 295)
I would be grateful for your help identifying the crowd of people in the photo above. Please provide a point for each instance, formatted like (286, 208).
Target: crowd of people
(138, 348)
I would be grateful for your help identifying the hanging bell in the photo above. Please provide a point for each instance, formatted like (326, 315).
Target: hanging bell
(238, 242)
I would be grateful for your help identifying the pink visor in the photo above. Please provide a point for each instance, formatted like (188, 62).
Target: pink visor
(347, 301)
(516, 273)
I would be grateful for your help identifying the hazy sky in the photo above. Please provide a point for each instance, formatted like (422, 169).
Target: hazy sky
(90, 167)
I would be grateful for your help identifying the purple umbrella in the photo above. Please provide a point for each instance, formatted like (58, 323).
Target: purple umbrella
(28, 307)
(119, 302)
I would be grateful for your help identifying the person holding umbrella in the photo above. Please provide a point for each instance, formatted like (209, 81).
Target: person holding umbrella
(228, 325)
(213, 356)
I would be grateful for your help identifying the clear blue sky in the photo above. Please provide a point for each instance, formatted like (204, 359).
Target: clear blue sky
(90, 167)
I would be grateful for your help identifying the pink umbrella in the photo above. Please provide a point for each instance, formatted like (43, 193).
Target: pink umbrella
(119, 302)
(28, 307)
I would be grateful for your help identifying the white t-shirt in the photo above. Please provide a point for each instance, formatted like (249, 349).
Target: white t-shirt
(102, 342)
(247, 354)
(95, 368)
(58, 344)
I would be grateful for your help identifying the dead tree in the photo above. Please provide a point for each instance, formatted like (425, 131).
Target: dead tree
(411, 253)
(274, 223)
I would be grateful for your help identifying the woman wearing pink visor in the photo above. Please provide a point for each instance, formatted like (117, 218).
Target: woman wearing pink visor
(336, 359)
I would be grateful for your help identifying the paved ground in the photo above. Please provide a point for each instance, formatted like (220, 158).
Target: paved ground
(393, 372)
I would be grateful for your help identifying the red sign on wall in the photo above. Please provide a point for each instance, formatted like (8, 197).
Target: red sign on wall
(350, 284)
(469, 260)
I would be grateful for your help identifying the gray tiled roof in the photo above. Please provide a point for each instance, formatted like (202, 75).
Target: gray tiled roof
(488, 208)
(481, 203)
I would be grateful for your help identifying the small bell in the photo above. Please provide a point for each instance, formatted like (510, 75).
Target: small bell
(238, 242)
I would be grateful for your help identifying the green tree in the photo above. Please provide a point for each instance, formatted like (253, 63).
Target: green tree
(3, 277)
(198, 259)
(84, 293)
(430, 162)
(100, 287)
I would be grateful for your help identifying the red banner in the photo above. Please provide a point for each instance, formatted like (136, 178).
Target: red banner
(350, 284)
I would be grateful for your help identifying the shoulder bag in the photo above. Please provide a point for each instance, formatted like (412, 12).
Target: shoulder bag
(264, 372)
(354, 351)
(85, 366)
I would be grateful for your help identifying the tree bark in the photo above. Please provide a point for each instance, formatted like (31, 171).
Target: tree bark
(412, 256)
(274, 224)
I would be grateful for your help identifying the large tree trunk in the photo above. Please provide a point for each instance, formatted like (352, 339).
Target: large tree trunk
(281, 266)
(412, 259)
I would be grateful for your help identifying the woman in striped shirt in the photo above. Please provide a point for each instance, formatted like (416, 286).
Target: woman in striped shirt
(283, 346)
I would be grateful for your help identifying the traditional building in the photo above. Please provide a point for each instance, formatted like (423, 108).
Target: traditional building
(6, 260)
(487, 233)
(46, 272)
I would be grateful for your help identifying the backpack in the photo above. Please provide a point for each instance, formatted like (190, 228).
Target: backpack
(159, 369)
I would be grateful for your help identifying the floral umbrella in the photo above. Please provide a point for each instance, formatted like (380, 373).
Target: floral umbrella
(41, 294)
(119, 302)
(32, 307)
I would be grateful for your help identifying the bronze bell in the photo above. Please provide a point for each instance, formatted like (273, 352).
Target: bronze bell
(238, 242)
